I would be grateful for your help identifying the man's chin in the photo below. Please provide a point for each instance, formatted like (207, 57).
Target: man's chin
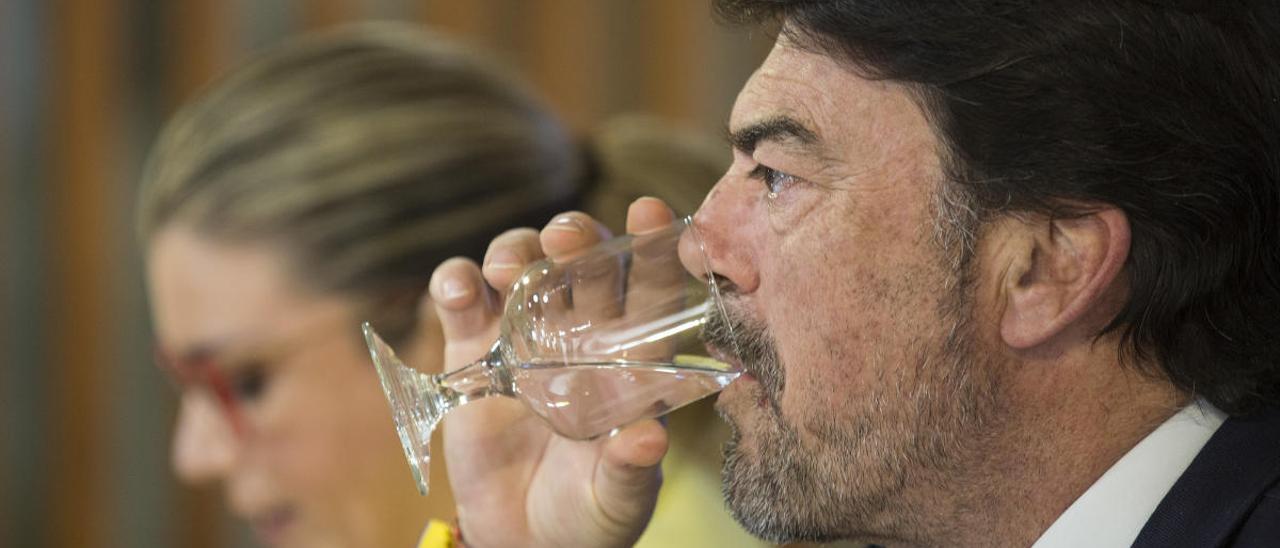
(743, 476)
(752, 493)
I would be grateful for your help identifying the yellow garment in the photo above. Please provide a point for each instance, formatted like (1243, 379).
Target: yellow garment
(691, 511)
(438, 535)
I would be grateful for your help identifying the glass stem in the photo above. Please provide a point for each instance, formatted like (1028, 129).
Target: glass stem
(488, 376)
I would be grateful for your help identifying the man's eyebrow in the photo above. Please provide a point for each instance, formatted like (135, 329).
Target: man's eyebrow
(777, 128)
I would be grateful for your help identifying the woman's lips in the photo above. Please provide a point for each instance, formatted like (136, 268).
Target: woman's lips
(270, 527)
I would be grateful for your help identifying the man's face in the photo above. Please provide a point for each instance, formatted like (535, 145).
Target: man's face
(853, 322)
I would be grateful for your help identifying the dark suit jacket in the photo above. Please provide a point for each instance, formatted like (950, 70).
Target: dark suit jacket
(1229, 496)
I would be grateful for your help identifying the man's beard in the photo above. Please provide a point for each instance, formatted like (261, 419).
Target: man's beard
(916, 425)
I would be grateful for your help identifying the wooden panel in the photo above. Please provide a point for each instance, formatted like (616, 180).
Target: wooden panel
(566, 60)
(673, 47)
(86, 76)
(197, 32)
(487, 24)
(473, 19)
(317, 14)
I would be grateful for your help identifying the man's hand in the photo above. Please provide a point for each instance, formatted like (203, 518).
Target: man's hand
(516, 482)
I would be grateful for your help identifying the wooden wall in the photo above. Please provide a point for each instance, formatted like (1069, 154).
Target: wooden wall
(84, 418)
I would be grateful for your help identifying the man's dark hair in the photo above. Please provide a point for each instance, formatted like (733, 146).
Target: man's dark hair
(1169, 111)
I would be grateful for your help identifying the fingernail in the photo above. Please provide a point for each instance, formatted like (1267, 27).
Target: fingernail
(503, 259)
(566, 223)
(454, 288)
(644, 199)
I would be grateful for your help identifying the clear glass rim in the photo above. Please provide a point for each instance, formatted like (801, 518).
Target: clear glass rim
(713, 288)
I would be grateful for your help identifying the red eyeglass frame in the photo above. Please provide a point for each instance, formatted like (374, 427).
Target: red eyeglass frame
(202, 371)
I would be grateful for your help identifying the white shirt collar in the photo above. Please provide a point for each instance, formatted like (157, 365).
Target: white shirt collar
(1115, 508)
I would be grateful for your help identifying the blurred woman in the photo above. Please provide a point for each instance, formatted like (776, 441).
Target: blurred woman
(317, 187)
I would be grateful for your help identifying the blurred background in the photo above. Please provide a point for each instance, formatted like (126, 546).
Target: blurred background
(84, 85)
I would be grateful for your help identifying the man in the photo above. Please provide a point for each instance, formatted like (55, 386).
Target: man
(1003, 274)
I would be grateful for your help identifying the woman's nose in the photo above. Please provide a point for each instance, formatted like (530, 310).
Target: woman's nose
(205, 446)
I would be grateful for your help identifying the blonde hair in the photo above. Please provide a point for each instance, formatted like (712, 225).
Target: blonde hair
(638, 155)
(371, 154)
(368, 154)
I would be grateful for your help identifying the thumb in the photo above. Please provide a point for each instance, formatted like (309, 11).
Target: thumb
(629, 474)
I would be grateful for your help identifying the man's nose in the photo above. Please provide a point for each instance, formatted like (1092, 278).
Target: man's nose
(722, 222)
(205, 446)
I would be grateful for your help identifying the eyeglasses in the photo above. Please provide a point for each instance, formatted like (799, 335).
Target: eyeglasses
(230, 384)
(200, 370)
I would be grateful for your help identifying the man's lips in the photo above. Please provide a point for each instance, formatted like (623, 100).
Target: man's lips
(735, 364)
(745, 381)
(745, 385)
(745, 376)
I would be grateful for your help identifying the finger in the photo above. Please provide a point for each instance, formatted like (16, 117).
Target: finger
(571, 233)
(424, 329)
(655, 262)
(655, 283)
(464, 304)
(595, 289)
(628, 474)
(508, 255)
(647, 214)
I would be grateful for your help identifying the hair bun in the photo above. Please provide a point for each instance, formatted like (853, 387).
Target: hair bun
(636, 155)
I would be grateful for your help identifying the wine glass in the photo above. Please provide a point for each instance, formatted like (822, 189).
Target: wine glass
(589, 343)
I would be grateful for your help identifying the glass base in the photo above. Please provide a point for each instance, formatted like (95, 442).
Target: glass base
(415, 413)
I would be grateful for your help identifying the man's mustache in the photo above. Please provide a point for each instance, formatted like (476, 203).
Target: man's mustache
(734, 334)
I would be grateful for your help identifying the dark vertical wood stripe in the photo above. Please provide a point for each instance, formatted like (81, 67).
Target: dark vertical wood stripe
(85, 41)
(198, 32)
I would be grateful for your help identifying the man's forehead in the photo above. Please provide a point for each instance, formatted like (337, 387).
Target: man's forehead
(815, 90)
(852, 119)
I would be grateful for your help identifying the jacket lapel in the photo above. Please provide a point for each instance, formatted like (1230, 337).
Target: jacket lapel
(1223, 484)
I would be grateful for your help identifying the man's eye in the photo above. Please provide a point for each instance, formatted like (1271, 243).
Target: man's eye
(774, 181)
(249, 383)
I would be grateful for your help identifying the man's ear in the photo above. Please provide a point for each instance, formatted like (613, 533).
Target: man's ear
(1061, 274)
